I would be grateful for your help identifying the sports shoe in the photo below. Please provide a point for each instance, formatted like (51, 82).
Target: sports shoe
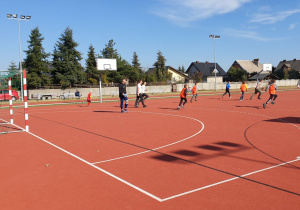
(182, 106)
(126, 110)
(178, 107)
(122, 111)
(250, 98)
(191, 101)
(264, 105)
(273, 102)
(259, 98)
(195, 99)
(136, 106)
(230, 97)
(144, 106)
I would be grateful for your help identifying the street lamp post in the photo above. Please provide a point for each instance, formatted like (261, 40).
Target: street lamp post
(26, 18)
(215, 70)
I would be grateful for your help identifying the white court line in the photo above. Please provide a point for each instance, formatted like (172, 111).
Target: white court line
(227, 180)
(96, 167)
(143, 191)
(160, 146)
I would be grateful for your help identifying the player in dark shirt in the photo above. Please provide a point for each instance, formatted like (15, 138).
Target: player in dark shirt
(123, 96)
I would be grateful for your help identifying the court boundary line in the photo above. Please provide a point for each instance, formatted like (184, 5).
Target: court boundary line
(157, 148)
(144, 191)
(227, 180)
(96, 167)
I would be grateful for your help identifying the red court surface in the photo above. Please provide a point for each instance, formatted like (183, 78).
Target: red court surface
(213, 154)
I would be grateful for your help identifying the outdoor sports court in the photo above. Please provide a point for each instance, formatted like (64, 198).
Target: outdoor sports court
(213, 154)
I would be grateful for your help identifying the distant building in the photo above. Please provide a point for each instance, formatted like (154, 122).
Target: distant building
(207, 69)
(289, 65)
(264, 76)
(249, 66)
(177, 76)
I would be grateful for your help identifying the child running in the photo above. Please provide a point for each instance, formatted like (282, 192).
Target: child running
(123, 96)
(139, 96)
(257, 90)
(195, 92)
(243, 88)
(272, 91)
(183, 94)
(144, 95)
(89, 98)
(227, 90)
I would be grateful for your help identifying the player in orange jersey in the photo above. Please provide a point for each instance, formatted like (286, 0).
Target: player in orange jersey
(272, 91)
(89, 98)
(183, 94)
(243, 88)
(194, 91)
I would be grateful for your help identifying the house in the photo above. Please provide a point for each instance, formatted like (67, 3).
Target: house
(249, 66)
(177, 76)
(288, 65)
(264, 76)
(207, 69)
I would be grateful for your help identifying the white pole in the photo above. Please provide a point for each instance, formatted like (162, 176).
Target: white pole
(21, 73)
(100, 89)
(215, 64)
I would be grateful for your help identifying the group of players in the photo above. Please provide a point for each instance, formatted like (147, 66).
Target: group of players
(272, 87)
(141, 96)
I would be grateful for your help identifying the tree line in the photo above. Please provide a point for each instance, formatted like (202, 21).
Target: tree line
(64, 67)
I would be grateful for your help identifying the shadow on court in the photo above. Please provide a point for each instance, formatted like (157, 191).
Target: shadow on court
(253, 107)
(294, 120)
(107, 111)
(217, 149)
(166, 108)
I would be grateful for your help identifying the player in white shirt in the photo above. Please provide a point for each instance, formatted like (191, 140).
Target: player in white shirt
(143, 89)
(139, 94)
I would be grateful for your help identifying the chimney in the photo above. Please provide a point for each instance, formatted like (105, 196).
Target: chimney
(197, 62)
(294, 59)
(207, 62)
(255, 61)
(284, 60)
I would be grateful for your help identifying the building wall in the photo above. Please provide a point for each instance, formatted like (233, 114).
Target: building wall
(114, 91)
(176, 77)
(212, 79)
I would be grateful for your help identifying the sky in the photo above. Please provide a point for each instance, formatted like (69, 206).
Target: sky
(180, 29)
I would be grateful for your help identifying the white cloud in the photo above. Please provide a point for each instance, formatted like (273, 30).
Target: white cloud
(249, 35)
(183, 12)
(292, 26)
(270, 18)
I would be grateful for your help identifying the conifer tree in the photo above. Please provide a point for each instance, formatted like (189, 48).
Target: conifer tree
(109, 51)
(160, 68)
(16, 80)
(91, 66)
(36, 62)
(135, 61)
(12, 67)
(67, 69)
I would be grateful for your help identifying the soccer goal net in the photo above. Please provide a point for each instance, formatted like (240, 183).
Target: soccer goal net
(11, 113)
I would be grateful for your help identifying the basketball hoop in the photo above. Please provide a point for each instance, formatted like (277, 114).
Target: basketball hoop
(105, 64)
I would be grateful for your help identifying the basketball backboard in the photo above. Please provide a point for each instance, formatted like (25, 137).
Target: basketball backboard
(104, 64)
(267, 67)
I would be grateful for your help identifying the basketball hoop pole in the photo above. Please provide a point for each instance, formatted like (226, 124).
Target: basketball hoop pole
(100, 90)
